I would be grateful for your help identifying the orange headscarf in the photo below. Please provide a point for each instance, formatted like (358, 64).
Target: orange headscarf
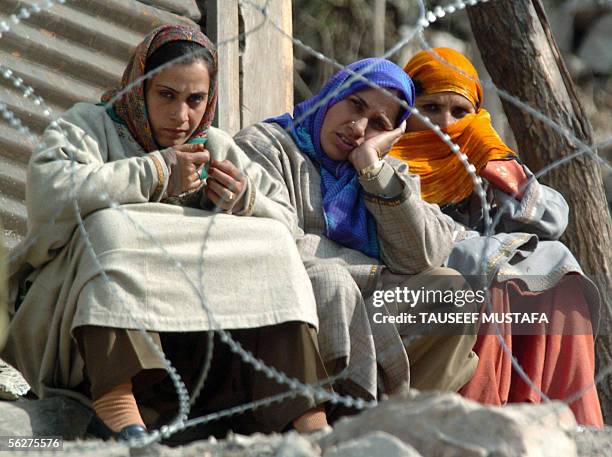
(444, 178)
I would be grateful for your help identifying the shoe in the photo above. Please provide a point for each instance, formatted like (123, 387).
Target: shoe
(99, 429)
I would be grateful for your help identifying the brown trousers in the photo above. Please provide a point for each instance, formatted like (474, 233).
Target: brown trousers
(113, 356)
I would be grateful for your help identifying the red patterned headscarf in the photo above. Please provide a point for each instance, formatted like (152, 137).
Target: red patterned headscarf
(131, 108)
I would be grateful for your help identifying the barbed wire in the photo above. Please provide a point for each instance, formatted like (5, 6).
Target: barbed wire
(296, 387)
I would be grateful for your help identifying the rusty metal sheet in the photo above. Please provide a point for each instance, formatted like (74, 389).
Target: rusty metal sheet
(69, 53)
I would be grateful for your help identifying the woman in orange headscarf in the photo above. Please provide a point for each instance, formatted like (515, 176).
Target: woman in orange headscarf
(523, 264)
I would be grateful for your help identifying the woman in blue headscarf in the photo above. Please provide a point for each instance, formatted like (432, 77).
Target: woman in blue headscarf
(367, 237)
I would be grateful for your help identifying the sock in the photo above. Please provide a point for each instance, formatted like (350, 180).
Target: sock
(117, 408)
(311, 420)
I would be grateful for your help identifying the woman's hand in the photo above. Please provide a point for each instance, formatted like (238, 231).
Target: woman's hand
(506, 175)
(375, 148)
(185, 163)
(226, 184)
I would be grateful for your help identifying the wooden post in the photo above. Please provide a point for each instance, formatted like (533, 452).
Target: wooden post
(255, 59)
(267, 60)
(222, 27)
(522, 58)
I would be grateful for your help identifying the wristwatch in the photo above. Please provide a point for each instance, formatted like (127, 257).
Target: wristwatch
(371, 171)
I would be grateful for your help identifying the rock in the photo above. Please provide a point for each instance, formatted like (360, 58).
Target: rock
(288, 445)
(592, 442)
(12, 383)
(295, 445)
(378, 444)
(449, 425)
(409, 424)
(56, 416)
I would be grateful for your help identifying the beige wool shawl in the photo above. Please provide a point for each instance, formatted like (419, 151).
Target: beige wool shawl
(102, 250)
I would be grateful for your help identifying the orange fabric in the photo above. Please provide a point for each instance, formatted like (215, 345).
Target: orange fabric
(507, 175)
(444, 179)
(490, 384)
(560, 365)
(117, 408)
(446, 70)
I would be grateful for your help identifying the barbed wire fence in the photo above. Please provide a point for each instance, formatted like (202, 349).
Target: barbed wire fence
(295, 387)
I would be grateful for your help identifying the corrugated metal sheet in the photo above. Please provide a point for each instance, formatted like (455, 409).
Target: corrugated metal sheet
(180, 7)
(69, 53)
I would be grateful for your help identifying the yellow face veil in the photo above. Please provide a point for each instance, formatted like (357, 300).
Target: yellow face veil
(444, 178)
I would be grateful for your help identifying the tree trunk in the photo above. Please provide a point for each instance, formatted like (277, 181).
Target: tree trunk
(522, 58)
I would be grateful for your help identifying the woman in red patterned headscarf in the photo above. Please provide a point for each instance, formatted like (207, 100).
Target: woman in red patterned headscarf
(106, 256)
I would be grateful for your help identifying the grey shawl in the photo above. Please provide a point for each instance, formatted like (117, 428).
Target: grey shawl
(524, 244)
(413, 236)
(134, 262)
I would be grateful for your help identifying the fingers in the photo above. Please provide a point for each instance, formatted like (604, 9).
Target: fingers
(385, 141)
(194, 185)
(222, 192)
(227, 168)
(191, 158)
(186, 172)
(192, 153)
(196, 158)
(392, 136)
(402, 128)
(192, 182)
(225, 173)
(225, 184)
(220, 196)
(189, 147)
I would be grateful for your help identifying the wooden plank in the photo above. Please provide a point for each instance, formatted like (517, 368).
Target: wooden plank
(267, 60)
(222, 27)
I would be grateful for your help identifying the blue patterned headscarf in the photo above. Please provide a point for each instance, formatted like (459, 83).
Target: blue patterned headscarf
(347, 219)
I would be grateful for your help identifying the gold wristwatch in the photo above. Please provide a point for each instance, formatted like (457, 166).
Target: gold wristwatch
(371, 171)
